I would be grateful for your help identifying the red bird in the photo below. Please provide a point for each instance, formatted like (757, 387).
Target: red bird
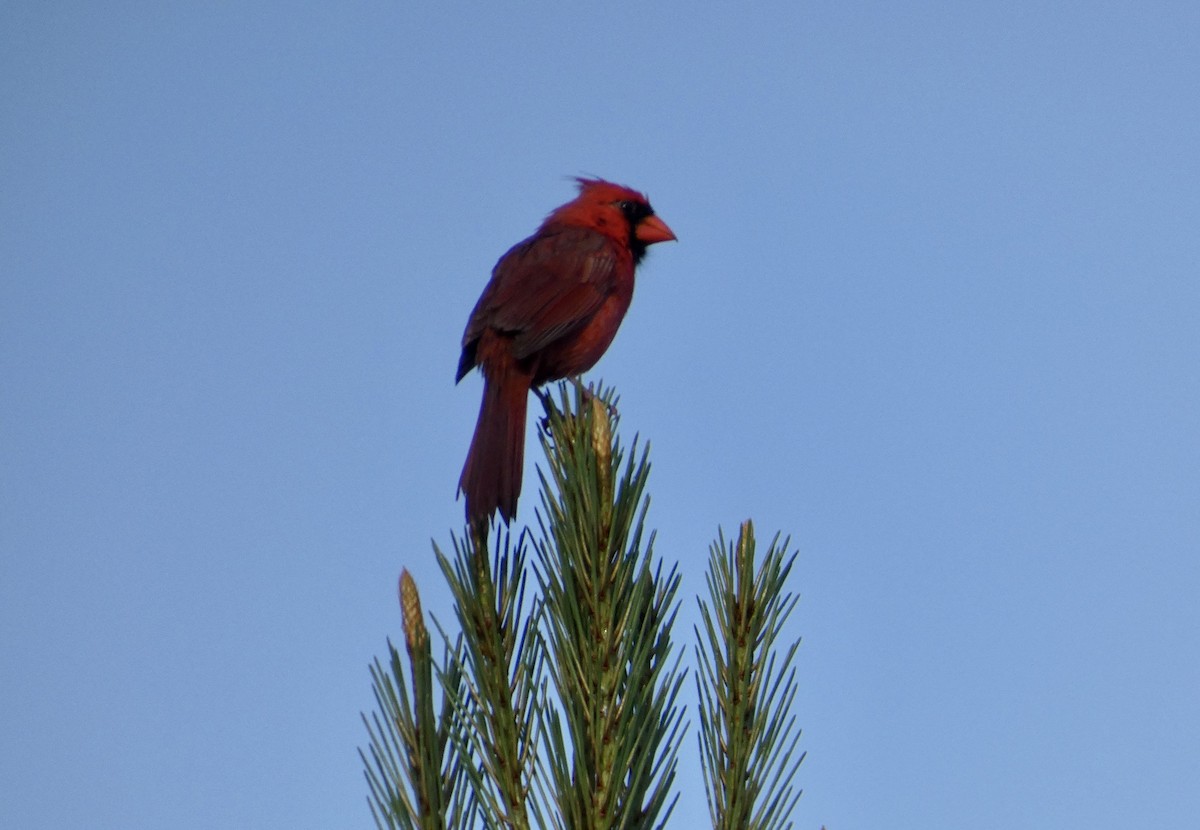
(550, 310)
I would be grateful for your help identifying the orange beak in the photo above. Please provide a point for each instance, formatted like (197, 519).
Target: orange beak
(652, 229)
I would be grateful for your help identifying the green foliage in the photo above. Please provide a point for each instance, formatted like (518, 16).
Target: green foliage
(561, 709)
(613, 739)
(499, 701)
(413, 771)
(748, 733)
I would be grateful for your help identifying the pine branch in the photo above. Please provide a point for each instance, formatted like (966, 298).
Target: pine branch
(610, 749)
(501, 698)
(413, 772)
(560, 710)
(748, 736)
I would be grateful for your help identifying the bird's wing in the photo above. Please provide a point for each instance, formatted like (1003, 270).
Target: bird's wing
(546, 287)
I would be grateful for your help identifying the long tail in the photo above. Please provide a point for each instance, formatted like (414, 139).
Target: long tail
(491, 477)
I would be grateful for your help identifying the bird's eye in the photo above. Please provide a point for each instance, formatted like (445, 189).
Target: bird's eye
(634, 211)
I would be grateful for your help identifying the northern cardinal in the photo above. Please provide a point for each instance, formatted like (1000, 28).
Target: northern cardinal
(550, 310)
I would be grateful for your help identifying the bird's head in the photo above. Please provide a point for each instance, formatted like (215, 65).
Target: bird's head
(616, 211)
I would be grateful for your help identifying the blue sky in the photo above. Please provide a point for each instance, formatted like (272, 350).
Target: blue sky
(933, 312)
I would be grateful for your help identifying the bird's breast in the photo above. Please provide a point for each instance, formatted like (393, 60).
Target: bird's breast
(579, 351)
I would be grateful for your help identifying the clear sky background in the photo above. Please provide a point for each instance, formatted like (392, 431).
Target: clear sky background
(933, 312)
